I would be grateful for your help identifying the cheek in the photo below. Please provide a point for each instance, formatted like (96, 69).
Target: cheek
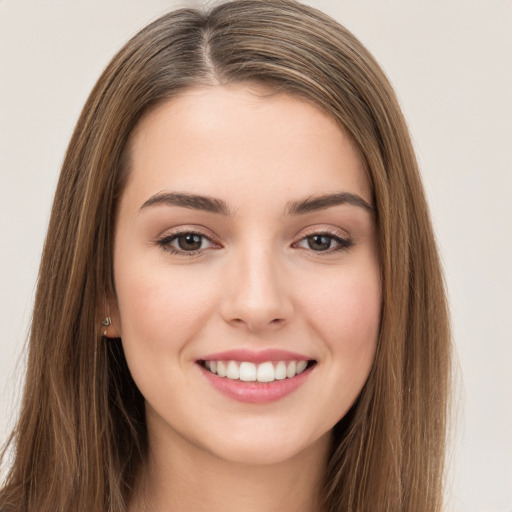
(161, 311)
(349, 323)
(347, 312)
(159, 308)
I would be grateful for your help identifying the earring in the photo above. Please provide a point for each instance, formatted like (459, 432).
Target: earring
(106, 322)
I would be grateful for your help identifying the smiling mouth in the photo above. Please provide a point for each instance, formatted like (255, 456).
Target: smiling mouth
(264, 372)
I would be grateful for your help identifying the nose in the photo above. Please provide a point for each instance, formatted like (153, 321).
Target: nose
(256, 292)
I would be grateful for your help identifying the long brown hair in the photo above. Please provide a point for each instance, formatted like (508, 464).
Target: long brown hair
(81, 435)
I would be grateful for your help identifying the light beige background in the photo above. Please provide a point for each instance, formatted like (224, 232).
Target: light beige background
(451, 63)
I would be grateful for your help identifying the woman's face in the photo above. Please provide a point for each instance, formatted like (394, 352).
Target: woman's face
(245, 249)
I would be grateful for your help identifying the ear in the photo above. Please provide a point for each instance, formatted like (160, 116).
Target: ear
(113, 330)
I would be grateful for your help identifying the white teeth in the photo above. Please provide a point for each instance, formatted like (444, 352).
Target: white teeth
(266, 372)
(247, 372)
(233, 371)
(221, 369)
(251, 372)
(281, 370)
(301, 366)
(291, 371)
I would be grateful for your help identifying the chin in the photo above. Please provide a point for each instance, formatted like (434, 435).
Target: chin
(265, 447)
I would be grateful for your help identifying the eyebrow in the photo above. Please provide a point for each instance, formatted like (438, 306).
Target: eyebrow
(192, 201)
(300, 207)
(316, 203)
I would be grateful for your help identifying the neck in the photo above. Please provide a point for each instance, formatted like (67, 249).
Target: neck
(184, 477)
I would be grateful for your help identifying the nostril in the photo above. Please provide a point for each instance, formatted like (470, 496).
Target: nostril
(255, 324)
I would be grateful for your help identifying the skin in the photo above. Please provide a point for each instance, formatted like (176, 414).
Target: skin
(255, 283)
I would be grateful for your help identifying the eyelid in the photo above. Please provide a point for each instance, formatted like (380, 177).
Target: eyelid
(165, 239)
(324, 230)
(345, 240)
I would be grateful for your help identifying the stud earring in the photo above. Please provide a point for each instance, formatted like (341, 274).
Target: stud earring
(106, 322)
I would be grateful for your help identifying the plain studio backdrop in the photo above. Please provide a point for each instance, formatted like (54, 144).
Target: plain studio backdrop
(451, 64)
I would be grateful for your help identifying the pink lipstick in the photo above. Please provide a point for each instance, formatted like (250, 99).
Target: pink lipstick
(256, 377)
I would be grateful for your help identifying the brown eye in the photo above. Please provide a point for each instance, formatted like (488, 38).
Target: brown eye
(189, 241)
(185, 243)
(320, 242)
(324, 242)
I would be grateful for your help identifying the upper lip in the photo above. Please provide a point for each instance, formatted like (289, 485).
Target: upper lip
(259, 356)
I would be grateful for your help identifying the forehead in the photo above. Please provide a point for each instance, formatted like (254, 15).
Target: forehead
(232, 141)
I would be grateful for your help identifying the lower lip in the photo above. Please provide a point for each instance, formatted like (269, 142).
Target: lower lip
(256, 392)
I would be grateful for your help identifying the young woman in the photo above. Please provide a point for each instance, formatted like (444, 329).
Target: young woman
(240, 304)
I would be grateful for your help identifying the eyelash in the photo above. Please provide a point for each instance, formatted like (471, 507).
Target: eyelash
(165, 242)
(336, 237)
